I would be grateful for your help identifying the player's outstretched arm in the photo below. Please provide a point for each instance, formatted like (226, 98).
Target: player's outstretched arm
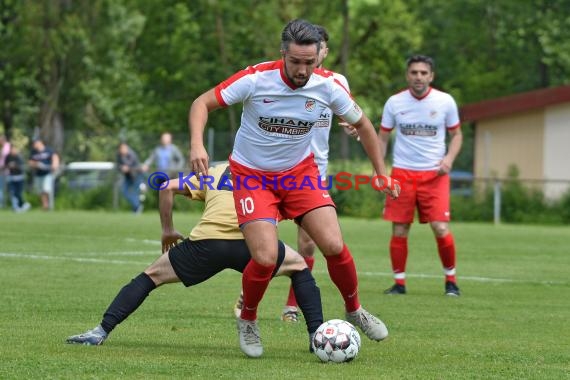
(197, 119)
(165, 202)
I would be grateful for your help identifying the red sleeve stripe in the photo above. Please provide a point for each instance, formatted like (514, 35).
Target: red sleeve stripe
(454, 126)
(240, 74)
(386, 129)
(341, 85)
(218, 92)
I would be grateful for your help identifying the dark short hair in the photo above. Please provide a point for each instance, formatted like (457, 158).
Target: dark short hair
(421, 58)
(300, 32)
(322, 32)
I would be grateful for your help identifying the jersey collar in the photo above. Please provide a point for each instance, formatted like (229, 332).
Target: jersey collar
(423, 96)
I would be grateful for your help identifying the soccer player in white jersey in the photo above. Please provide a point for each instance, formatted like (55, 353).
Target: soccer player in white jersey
(421, 117)
(320, 148)
(282, 100)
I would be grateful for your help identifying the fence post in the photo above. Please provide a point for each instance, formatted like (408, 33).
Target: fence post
(497, 201)
(116, 186)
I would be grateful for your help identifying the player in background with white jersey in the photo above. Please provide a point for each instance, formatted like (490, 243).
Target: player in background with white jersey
(421, 116)
(282, 101)
(320, 148)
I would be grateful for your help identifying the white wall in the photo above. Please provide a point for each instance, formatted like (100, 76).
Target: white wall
(556, 149)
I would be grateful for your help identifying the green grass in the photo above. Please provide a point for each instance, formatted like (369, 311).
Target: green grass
(60, 270)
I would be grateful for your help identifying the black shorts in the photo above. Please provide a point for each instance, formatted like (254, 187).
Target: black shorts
(196, 261)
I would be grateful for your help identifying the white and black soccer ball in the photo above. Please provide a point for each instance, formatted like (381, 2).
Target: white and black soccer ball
(336, 341)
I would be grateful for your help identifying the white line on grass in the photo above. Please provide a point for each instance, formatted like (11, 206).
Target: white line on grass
(144, 241)
(68, 258)
(372, 274)
(118, 253)
(468, 278)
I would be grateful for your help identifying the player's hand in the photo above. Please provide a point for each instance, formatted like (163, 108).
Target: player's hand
(199, 160)
(349, 130)
(169, 239)
(390, 186)
(444, 166)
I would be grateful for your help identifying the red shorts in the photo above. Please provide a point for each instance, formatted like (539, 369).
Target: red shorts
(277, 195)
(426, 190)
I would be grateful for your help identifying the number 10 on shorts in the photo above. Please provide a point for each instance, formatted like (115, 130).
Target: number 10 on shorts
(247, 206)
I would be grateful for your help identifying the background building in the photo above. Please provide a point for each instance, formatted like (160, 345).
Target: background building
(530, 130)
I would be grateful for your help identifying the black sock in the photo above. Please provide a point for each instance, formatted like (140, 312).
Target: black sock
(308, 298)
(127, 301)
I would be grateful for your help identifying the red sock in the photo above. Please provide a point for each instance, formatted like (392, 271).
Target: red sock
(446, 250)
(291, 300)
(399, 256)
(342, 272)
(255, 279)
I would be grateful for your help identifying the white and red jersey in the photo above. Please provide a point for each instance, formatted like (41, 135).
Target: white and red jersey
(278, 118)
(320, 140)
(421, 125)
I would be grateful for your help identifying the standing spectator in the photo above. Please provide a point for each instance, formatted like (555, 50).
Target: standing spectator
(129, 166)
(14, 164)
(166, 157)
(282, 100)
(421, 116)
(4, 151)
(44, 163)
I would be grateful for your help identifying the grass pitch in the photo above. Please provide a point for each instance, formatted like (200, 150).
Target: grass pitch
(60, 270)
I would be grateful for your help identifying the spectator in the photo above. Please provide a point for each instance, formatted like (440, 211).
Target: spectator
(44, 163)
(14, 164)
(4, 151)
(166, 157)
(129, 166)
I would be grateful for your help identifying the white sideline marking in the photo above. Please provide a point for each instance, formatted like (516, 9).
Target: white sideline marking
(68, 258)
(144, 241)
(460, 278)
(119, 253)
(372, 274)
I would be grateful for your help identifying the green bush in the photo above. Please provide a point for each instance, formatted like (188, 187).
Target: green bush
(364, 202)
(98, 198)
(565, 208)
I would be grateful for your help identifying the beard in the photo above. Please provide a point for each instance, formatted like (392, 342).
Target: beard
(299, 81)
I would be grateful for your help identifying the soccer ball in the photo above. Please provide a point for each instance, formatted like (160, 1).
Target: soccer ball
(336, 341)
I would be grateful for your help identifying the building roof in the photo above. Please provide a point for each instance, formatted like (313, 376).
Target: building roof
(515, 103)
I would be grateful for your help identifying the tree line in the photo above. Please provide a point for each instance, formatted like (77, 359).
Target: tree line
(102, 66)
